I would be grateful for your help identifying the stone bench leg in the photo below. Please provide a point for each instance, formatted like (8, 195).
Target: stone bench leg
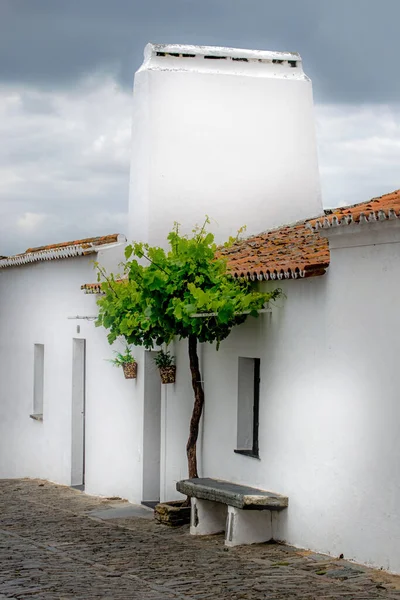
(248, 526)
(207, 517)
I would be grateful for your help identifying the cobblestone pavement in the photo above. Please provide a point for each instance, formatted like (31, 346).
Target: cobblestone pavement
(51, 548)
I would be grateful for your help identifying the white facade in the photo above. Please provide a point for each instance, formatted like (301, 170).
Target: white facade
(329, 403)
(221, 132)
(329, 399)
(36, 303)
(329, 406)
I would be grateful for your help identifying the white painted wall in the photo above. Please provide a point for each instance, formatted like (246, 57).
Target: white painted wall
(329, 399)
(35, 302)
(114, 422)
(329, 404)
(231, 139)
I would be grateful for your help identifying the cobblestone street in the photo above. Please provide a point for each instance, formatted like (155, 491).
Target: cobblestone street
(52, 548)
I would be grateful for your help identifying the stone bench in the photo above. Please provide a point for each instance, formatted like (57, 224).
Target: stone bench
(246, 514)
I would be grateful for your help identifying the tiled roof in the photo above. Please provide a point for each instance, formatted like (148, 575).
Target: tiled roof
(91, 288)
(95, 288)
(378, 209)
(289, 252)
(62, 250)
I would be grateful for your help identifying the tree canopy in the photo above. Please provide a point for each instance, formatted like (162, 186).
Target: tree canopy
(185, 292)
(162, 291)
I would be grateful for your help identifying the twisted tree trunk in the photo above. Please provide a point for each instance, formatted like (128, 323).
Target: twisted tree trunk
(197, 407)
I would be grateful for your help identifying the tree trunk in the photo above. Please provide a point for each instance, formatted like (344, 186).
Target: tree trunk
(197, 407)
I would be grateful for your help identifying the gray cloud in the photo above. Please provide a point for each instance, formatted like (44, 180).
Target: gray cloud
(359, 151)
(348, 45)
(63, 172)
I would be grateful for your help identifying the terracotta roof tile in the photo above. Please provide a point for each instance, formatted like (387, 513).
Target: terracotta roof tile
(288, 252)
(91, 288)
(62, 250)
(85, 243)
(378, 209)
(95, 288)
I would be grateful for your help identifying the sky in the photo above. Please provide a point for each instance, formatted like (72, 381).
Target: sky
(66, 75)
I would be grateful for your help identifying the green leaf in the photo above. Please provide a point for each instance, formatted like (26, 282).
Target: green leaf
(190, 308)
(157, 300)
(178, 312)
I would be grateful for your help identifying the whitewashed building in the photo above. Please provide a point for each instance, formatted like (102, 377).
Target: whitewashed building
(229, 133)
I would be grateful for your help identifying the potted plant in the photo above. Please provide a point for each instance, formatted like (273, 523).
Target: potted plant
(127, 362)
(165, 363)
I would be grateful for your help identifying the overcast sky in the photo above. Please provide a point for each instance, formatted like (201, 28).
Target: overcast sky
(66, 72)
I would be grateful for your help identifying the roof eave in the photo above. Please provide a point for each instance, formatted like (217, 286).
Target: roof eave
(57, 253)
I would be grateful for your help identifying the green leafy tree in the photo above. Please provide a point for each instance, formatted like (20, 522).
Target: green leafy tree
(185, 292)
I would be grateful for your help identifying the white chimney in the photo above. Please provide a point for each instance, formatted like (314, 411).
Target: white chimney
(224, 132)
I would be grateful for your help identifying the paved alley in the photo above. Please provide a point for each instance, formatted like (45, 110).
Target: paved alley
(53, 545)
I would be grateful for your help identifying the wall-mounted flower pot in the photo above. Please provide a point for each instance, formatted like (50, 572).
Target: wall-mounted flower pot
(168, 374)
(130, 370)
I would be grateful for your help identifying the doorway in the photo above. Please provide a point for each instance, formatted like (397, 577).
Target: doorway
(78, 414)
(151, 431)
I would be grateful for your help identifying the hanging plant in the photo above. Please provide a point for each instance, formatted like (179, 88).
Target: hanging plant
(127, 362)
(165, 363)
